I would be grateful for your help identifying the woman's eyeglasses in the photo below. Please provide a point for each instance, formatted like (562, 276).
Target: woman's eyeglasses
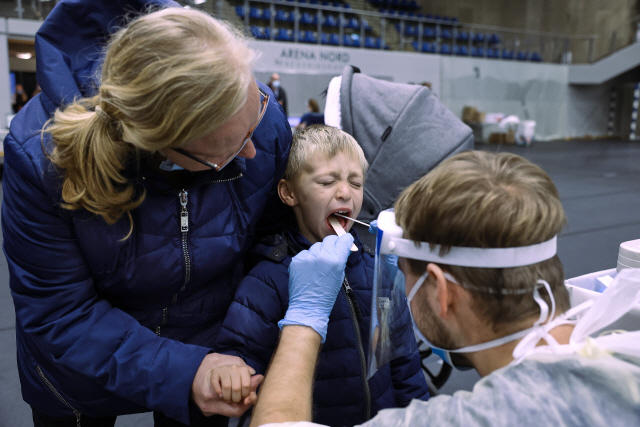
(263, 110)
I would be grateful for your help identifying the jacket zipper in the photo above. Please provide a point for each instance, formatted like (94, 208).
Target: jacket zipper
(77, 413)
(355, 315)
(183, 196)
(233, 178)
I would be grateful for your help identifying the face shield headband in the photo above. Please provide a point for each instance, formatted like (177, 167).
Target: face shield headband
(390, 245)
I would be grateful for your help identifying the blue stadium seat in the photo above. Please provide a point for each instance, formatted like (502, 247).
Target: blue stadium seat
(284, 35)
(266, 14)
(367, 27)
(522, 56)
(507, 54)
(256, 32)
(445, 34)
(477, 51)
(493, 53)
(445, 49)
(308, 37)
(463, 36)
(429, 32)
(494, 39)
(255, 13)
(353, 23)
(334, 39)
(355, 40)
(426, 47)
(478, 38)
(240, 11)
(306, 19)
(329, 21)
(372, 42)
(535, 56)
(462, 50)
(281, 16)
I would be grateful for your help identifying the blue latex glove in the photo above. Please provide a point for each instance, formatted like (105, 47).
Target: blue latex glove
(315, 278)
(373, 227)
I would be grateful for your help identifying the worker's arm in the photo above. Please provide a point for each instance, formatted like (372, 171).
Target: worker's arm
(315, 277)
(286, 393)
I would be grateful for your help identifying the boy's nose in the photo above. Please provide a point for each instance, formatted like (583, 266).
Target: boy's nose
(343, 191)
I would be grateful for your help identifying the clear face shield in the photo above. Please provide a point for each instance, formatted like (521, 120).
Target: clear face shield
(391, 314)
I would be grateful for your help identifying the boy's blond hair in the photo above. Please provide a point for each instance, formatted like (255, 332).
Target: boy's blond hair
(486, 200)
(326, 140)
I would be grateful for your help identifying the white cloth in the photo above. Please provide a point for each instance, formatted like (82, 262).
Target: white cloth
(543, 390)
(332, 113)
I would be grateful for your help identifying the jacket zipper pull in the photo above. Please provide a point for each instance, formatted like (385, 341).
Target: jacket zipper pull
(184, 214)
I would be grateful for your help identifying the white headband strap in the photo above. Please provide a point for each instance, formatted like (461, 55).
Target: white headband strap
(474, 257)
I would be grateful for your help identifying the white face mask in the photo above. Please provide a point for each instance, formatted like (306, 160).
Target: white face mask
(276, 84)
(545, 317)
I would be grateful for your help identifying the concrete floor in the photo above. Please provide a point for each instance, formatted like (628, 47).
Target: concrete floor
(599, 182)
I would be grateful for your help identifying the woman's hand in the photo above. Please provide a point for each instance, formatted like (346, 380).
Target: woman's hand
(224, 385)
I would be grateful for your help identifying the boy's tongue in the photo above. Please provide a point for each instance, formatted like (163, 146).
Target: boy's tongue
(341, 221)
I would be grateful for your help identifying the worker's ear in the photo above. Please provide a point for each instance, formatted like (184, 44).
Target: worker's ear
(444, 291)
(285, 191)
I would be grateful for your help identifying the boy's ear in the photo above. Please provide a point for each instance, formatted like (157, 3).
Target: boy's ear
(285, 191)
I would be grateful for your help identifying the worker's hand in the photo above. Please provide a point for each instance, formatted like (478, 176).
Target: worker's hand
(219, 383)
(315, 277)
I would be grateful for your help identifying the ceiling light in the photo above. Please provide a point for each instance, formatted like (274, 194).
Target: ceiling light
(24, 55)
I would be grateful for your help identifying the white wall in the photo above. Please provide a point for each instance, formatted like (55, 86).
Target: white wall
(536, 91)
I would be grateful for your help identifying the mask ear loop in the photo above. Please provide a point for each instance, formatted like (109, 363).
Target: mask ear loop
(417, 285)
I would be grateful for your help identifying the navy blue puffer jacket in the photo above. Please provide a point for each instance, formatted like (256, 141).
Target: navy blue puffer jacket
(342, 395)
(120, 326)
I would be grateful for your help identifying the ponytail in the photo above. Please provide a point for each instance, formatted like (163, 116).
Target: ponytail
(88, 146)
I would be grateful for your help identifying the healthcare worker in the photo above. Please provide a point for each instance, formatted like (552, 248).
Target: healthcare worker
(476, 241)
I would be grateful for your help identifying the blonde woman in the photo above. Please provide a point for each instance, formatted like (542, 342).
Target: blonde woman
(130, 199)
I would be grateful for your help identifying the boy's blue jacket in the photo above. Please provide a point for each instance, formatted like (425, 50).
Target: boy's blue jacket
(117, 325)
(251, 331)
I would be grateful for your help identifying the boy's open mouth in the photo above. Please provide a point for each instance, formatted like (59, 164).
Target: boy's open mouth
(343, 221)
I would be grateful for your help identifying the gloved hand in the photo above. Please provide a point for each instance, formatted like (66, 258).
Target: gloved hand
(315, 278)
(373, 227)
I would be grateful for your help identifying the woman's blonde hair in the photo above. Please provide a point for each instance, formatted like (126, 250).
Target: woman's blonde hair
(168, 77)
(324, 139)
(486, 200)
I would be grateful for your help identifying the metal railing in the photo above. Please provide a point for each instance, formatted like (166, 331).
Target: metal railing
(403, 32)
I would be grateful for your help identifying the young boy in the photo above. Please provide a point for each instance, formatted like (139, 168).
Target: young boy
(324, 175)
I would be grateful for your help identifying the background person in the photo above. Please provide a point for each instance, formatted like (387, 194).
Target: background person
(123, 253)
(561, 376)
(325, 174)
(278, 91)
(313, 117)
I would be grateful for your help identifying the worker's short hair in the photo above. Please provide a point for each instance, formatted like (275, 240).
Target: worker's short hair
(486, 200)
